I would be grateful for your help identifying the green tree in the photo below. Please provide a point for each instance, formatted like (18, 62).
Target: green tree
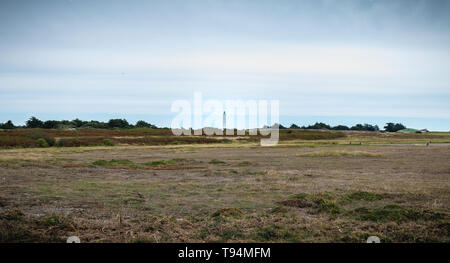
(7, 125)
(118, 123)
(34, 122)
(340, 128)
(50, 124)
(78, 123)
(144, 124)
(399, 126)
(319, 126)
(393, 127)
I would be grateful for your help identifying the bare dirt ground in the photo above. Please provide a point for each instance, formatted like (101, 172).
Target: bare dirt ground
(341, 193)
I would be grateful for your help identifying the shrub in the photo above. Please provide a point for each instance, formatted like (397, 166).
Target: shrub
(108, 142)
(41, 135)
(69, 143)
(42, 143)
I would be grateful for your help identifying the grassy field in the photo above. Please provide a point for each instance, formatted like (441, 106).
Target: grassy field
(313, 187)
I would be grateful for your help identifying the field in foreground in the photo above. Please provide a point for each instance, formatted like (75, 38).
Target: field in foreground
(304, 192)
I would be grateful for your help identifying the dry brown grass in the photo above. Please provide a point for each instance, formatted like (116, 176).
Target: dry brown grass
(402, 195)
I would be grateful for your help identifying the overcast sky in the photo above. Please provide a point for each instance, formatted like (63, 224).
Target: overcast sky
(335, 61)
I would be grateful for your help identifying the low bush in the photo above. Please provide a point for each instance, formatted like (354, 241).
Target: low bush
(36, 135)
(42, 143)
(108, 142)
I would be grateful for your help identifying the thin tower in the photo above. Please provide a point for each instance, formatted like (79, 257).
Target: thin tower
(224, 120)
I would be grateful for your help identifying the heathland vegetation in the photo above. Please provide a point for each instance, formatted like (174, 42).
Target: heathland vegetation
(76, 133)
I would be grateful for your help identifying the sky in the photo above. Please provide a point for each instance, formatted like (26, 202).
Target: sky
(340, 62)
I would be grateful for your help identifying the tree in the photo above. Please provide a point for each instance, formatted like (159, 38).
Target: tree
(399, 126)
(7, 125)
(34, 122)
(95, 125)
(294, 126)
(50, 124)
(368, 127)
(357, 127)
(118, 123)
(340, 128)
(78, 123)
(144, 124)
(391, 127)
(319, 126)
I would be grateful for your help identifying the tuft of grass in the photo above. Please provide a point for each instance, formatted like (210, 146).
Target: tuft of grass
(300, 196)
(108, 142)
(244, 163)
(364, 196)
(215, 161)
(320, 202)
(339, 154)
(114, 162)
(327, 205)
(12, 215)
(268, 233)
(58, 222)
(395, 213)
(228, 233)
(167, 162)
(279, 210)
(160, 162)
(331, 204)
(228, 212)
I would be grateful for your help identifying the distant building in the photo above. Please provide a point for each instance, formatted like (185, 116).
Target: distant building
(409, 130)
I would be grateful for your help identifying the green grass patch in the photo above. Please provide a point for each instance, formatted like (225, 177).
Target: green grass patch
(57, 221)
(319, 202)
(108, 142)
(114, 162)
(168, 162)
(244, 163)
(339, 154)
(395, 213)
(364, 196)
(335, 204)
(216, 161)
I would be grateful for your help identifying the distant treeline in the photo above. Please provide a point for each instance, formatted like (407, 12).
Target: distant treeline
(390, 127)
(34, 122)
